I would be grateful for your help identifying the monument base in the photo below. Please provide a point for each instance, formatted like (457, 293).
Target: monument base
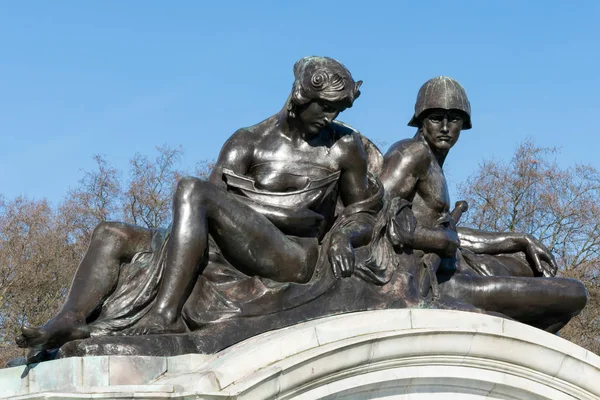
(391, 354)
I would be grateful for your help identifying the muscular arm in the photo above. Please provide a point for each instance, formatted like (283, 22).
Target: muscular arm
(482, 242)
(442, 241)
(402, 168)
(354, 185)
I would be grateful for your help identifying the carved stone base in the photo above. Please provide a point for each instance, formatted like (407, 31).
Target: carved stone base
(400, 354)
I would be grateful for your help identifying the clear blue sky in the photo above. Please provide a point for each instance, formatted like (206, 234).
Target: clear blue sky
(114, 78)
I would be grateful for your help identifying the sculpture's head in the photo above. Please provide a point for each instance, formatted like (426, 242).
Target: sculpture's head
(322, 89)
(442, 110)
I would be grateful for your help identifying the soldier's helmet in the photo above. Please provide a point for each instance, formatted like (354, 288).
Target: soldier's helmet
(442, 92)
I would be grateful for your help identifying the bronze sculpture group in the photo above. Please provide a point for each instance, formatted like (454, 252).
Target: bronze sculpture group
(303, 217)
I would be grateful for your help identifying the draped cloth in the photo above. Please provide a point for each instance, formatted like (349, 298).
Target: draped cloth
(223, 292)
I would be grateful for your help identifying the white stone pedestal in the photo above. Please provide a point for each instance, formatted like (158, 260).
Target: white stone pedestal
(392, 354)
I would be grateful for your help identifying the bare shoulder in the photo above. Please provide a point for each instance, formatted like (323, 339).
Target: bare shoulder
(403, 165)
(239, 136)
(373, 154)
(408, 152)
(246, 139)
(238, 151)
(341, 128)
(348, 140)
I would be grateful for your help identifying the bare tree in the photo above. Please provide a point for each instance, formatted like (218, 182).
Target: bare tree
(95, 199)
(37, 260)
(41, 245)
(561, 206)
(147, 201)
(203, 168)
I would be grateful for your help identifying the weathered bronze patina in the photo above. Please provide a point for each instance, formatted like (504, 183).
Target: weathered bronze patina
(292, 225)
(490, 270)
(259, 245)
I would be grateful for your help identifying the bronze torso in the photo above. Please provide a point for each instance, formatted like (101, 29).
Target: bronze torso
(431, 202)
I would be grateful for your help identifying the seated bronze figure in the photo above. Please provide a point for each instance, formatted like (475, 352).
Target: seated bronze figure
(479, 268)
(243, 242)
(293, 205)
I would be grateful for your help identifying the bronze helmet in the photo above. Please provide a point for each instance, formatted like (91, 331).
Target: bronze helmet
(442, 92)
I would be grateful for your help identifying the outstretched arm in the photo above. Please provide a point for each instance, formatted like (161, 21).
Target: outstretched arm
(441, 241)
(482, 242)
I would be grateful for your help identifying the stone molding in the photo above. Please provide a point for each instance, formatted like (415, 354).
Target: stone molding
(391, 354)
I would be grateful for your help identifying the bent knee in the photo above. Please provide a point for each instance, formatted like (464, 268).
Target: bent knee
(111, 230)
(120, 238)
(191, 189)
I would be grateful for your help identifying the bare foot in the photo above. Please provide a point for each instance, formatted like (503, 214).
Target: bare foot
(59, 330)
(154, 323)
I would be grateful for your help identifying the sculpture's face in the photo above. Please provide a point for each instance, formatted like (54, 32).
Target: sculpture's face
(318, 114)
(441, 128)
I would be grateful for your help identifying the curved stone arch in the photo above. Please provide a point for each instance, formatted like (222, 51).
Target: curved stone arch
(413, 354)
(402, 354)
